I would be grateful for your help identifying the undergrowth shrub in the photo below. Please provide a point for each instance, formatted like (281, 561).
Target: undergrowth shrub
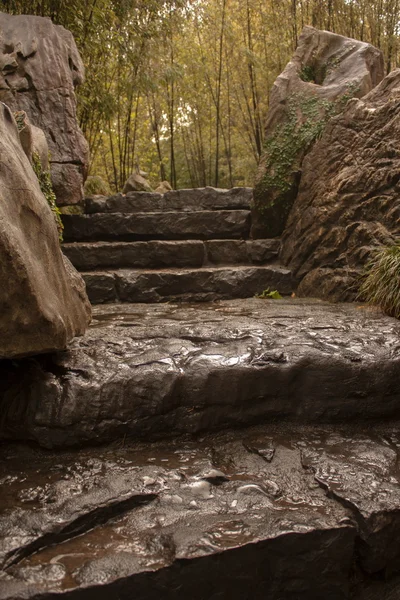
(381, 282)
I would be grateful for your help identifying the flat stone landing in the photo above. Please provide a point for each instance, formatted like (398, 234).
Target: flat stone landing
(152, 371)
(277, 512)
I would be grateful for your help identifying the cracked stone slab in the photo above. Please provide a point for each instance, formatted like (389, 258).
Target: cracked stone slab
(235, 514)
(169, 369)
(202, 225)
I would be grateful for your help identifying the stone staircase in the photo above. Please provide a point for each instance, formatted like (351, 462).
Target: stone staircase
(187, 245)
(242, 449)
(235, 450)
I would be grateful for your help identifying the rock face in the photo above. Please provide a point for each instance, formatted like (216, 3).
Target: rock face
(43, 303)
(39, 69)
(164, 370)
(275, 512)
(348, 202)
(325, 71)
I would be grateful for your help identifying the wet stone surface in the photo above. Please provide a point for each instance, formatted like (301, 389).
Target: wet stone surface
(158, 371)
(251, 514)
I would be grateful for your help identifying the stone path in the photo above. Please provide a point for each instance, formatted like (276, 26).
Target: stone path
(253, 446)
(277, 512)
(304, 506)
(189, 245)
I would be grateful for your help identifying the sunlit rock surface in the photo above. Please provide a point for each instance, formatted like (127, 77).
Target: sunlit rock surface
(163, 370)
(277, 512)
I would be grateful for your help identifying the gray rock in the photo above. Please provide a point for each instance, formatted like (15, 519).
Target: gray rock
(162, 370)
(43, 303)
(143, 519)
(186, 285)
(163, 187)
(162, 226)
(164, 253)
(137, 183)
(325, 71)
(342, 216)
(40, 69)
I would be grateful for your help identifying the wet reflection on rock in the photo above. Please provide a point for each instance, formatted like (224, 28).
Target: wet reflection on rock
(300, 500)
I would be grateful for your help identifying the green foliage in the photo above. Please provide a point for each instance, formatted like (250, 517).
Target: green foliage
(381, 281)
(271, 294)
(47, 191)
(307, 73)
(306, 118)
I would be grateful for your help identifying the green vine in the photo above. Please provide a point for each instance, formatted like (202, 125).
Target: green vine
(306, 119)
(47, 191)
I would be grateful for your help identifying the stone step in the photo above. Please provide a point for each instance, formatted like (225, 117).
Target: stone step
(203, 284)
(202, 225)
(160, 253)
(168, 369)
(197, 199)
(273, 512)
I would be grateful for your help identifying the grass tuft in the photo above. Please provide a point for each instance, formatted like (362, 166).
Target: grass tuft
(381, 282)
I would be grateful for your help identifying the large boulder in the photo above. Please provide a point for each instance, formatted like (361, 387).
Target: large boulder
(324, 73)
(43, 303)
(349, 196)
(39, 69)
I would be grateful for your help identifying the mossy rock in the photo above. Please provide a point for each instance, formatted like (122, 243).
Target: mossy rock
(284, 150)
(96, 186)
